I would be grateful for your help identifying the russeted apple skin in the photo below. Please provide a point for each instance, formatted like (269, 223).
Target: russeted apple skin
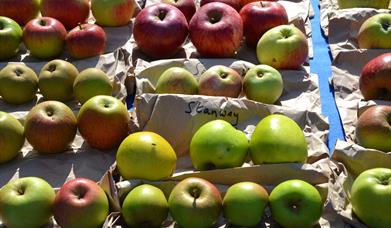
(220, 80)
(22, 11)
(160, 30)
(50, 127)
(11, 137)
(80, 203)
(195, 202)
(375, 79)
(379, 4)
(216, 30)
(375, 32)
(260, 16)
(371, 197)
(374, 128)
(177, 80)
(187, 7)
(68, 12)
(103, 122)
(145, 206)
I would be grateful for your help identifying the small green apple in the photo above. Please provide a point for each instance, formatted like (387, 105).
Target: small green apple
(296, 203)
(177, 80)
(263, 83)
(371, 197)
(145, 155)
(145, 206)
(18, 83)
(378, 4)
(375, 32)
(26, 202)
(10, 37)
(217, 144)
(56, 80)
(91, 82)
(278, 139)
(11, 137)
(244, 203)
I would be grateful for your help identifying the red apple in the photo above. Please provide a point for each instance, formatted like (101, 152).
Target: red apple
(216, 30)
(187, 7)
(86, 40)
(375, 79)
(160, 30)
(80, 203)
(220, 81)
(245, 2)
(50, 127)
(258, 17)
(103, 122)
(68, 12)
(44, 37)
(22, 11)
(233, 3)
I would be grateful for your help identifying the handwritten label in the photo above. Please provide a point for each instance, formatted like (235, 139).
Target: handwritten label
(195, 107)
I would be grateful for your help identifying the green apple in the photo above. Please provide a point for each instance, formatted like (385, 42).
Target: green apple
(10, 37)
(263, 83)
(103, 122)
(378, 4)
(375, 32)
(11, 137)
(145, 155)
(18, 83)
(296, 203)
(26, 202)
(278, 139)
(283, 47)
(91, 82)
(177, 80)
(244, 203)
(195, 202)
(371, 197)
(145, 206)
(56, 80)
(217, 144)
(113, 12)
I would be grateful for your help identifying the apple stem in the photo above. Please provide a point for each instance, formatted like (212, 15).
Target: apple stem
(18, 72)
(195, 193)
(161, 15)
(261, 3)
(79, 25)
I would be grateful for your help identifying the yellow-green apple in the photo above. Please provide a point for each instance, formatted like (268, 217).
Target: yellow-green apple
(374, 128)
(91, 82)
(216, 30)
(195, 202)
(375, 79)
(56, 80)
(103, 122)
(187, 7)
(26, 202)
(50, 127)
(177, 80)
(145, 155)
(145, 206)
(258, 17)
(263, 83)
(278, 139)
(114, 12)
(371, 197)
(44, 37)
(18, 83)
(226, 149)
(10, 37)
(220, 80)
(296, 203)
(160, 30)
(283, 47)
(11, 137)
(379, 4)
(233, 3)
(86, 40)
(244, 204)
(80, 203)
(22, 11)
(68, 12)
(375, 32)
